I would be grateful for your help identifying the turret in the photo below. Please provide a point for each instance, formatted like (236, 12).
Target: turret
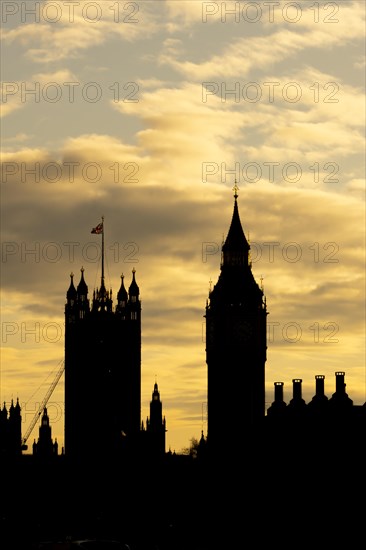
(133, 290)
(14, 428)
(45, 447)
(82, 297)
(122, 298)
(82, 289)
(156, 425)
(71, 294)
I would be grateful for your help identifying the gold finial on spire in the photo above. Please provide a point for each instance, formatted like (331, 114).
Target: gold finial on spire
(236, 189)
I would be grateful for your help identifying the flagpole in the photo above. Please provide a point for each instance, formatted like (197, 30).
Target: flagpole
(103, 250)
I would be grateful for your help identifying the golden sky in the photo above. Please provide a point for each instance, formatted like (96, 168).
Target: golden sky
(145, 113)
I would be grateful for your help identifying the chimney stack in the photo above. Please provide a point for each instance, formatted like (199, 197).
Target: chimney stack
(319, 385)
(296, 389)
(278, 392)
(340, 385)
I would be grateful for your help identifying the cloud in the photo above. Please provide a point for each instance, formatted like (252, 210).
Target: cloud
(18, 138)
(75, 29)
(244, 55)
(180, 132)
(16, 93)
(183, 15)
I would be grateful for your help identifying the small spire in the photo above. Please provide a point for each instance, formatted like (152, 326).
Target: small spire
(122, 293)
(82, 288)
(133, 288)
(71, 293)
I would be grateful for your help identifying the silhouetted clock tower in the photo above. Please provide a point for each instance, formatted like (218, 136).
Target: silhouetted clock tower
(236, 319)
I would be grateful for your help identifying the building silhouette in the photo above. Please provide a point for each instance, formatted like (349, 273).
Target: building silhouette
(102, 367)
(236, 345)
(10, 430)
(45, 447)
(155, 427)
(296, 462)
(236, 313)
(103, 374)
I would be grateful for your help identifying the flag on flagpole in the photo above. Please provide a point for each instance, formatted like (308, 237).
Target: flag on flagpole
(98, 229)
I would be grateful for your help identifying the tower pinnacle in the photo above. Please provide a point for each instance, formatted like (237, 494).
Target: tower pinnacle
(236, 247)
(236, 189)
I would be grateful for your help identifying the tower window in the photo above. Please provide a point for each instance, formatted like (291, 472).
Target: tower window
(134, 315)
(133, 298)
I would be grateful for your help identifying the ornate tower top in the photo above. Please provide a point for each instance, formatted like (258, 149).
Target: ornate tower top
(122, 293)
(236, 283)
(235, 250)
(82, 289)
(133, 288)
(71, 293)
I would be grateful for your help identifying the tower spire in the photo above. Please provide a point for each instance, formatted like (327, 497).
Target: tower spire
(235, 250)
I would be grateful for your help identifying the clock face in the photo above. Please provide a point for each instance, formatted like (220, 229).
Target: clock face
(242, 331)
(238, 331)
